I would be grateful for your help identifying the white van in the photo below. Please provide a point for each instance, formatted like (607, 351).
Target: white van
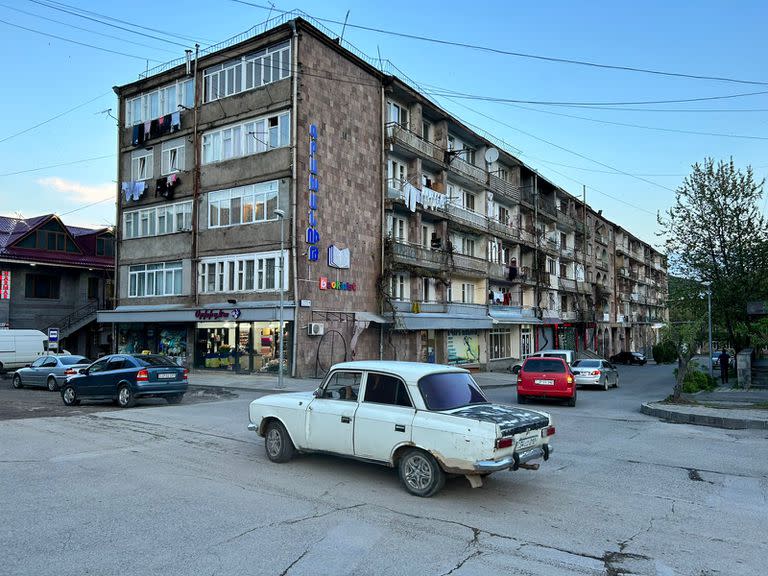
(20, 347)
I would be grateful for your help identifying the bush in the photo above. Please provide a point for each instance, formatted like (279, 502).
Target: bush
(664, 353)
(697, 381)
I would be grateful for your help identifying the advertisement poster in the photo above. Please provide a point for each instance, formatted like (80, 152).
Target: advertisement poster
(5, 284)
(463, 347)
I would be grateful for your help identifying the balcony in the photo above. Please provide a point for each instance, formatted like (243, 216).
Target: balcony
(470, 264)
(414, 143)
(602, 264)
(415, 255)
(567, 284)
(505, 189)
(569, 316)
(468, 170)
(567, 252)
(457, 308)
(467, 217)
(498, 271)
(601, 239)
(548, 207)
(503, 230)
(395, 189)
(566, 220)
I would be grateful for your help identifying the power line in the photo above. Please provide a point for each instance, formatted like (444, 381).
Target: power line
(79, 43)
(81, 161)
(522, 54)
(602, 171)
(84, 29)
(464, 96)
(87, 206)
(51, 6)
(691, 110)
(53, 117)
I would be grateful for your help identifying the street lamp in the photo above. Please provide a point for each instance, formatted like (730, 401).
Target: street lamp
(708, 285)
(281, 215)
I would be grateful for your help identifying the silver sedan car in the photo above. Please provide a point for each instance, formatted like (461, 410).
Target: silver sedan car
(595, 372)
(49, 371)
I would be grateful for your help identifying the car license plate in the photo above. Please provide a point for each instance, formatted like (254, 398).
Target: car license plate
(166, 375)
(545, 382)
(526, 443)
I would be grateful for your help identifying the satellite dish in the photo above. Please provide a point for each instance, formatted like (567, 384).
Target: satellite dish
(491, 155)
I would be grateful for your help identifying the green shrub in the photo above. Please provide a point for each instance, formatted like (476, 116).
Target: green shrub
(697, 381)
(664, 353)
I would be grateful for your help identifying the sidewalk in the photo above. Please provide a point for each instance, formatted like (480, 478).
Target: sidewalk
(722, 408)
(261, 382)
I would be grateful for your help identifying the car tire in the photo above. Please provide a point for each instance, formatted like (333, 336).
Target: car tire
(278, 443)
(174, 398)
(572, 401)
(17, 381)
(616, 384)
(605, 386)
(69, 396)
(52, 384)
(516, 369)
(125, 398)
(420, 473)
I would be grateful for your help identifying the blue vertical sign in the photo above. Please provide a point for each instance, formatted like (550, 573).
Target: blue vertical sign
(312, 235)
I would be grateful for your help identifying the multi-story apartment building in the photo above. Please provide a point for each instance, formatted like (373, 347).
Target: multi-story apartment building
(56, 276)
(405, 233)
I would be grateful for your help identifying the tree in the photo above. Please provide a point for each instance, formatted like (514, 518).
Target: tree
(715, 232)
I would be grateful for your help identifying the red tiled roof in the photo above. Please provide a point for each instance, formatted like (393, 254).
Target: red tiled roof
(13, 229)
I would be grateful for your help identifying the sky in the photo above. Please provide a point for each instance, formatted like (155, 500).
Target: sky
(58, 138)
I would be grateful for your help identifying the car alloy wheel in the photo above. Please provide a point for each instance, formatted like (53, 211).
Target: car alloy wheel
(125, 397)
(17, 381)
(69, 396)
(277, 443)
(420, 473)
(52, 386)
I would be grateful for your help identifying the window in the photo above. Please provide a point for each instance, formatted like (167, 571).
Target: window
(563, 303)
(343, 386)
(105, 246)
(142, 164)
(563, 241)
(552, 266)
(385, 389)
(426, 130)
(428, 181)
(400, 288)
(467, 246)
(259, 272)
(397, 229)
(397, 172)
(160, 279)
(247, 72)
(397, 114)
(503, 215)
(449, 390)
(243, 205)
(41, 286)
(93, 288)
(172, 156)
(467, 293)
(501, 344)
(469, 200)
(251, 137)
(165, 219)
(160, 102)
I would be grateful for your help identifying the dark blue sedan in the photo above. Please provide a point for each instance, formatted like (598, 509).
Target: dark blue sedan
(124, 378)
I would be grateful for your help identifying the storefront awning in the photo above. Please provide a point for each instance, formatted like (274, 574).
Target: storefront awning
(427, 321)
(177, 313)
(512, 317)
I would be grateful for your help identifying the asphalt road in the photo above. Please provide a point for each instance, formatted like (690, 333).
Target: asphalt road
(187, 489)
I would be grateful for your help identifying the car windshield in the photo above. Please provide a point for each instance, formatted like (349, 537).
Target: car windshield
(154, 361)
(587, 363)
(70, 360)
(450, 390)
(543, 365)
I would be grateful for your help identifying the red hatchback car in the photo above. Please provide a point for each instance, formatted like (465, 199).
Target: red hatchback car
(546, 377)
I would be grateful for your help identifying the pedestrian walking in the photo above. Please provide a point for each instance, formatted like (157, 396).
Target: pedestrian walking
(724, 360)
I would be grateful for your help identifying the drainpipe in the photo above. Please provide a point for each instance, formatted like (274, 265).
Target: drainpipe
(118, 228)
(196, 183)
(294, 189)
(382, 216)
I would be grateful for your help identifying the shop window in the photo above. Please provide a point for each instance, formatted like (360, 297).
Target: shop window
(41, 286)
(501, 344)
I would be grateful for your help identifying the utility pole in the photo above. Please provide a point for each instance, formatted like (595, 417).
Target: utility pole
(538, 239)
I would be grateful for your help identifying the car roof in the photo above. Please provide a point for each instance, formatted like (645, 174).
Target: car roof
(537, 358)
(408, 370)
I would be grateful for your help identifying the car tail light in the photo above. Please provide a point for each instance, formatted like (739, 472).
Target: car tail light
(504, 442)
(519, 379)
(595, 372)
(569, 379)
(70, 371)
(549, 431)
(142, 375)
(186, 374)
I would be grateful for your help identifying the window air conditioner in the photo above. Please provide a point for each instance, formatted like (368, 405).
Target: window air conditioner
(315, 329)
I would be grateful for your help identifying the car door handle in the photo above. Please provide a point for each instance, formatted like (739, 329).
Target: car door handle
(346, 419)
(399, 428)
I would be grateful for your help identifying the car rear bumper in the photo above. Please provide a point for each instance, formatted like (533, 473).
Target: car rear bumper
(164, 389)
(514, 461)
(587, 380)
(547, 392)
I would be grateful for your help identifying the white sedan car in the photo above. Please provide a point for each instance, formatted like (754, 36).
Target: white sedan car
(427, 420)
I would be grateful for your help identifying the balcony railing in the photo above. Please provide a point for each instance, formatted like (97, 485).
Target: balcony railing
(501, 229)
(470, 264)
(567, 252)
(567, 284)
(504, 188)
(566, 219)
(467, 169)
(466, 216)
(407, 138)
(416, 255)
(458, 308)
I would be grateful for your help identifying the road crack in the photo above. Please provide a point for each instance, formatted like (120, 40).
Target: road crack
(292, 564)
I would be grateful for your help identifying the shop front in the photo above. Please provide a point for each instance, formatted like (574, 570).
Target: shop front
(242, 346)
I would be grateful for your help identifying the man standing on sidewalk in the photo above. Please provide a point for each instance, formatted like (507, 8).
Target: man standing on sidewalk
(724, 360)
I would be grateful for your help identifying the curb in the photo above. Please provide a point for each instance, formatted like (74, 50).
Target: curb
(703, 419)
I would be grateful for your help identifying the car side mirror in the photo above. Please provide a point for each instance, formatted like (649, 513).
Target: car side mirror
(318, 393)
(27, 365)
(83, 371)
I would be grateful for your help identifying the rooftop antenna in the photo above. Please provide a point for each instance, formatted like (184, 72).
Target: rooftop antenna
(108, 112)
(381, 66)
(343, 28)
(271, 6)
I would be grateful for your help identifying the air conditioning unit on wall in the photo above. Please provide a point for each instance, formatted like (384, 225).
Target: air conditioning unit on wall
(315, 329)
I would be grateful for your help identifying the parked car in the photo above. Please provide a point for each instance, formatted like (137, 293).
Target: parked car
(546, 377)
(629, 358)
(716, 358)
(595, 372)
(49, 371)
(568, 355)
(126, 377)
(20, 347)
(427, 420)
